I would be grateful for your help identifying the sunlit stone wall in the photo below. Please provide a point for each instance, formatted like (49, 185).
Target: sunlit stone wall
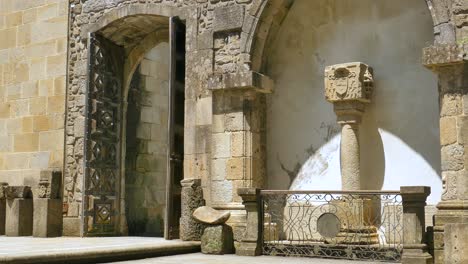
(400, 128)
(33, 55)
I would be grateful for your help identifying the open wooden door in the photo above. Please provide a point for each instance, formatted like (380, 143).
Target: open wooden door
(101, 190)
(175, 151)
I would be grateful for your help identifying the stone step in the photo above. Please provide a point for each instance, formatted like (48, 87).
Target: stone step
(89, 250)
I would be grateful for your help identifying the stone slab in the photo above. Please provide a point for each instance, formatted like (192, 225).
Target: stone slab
(199, 258)
(19, 217)
(217, 240)
(47, 218)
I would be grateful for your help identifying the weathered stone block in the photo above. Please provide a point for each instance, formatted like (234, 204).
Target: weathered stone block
(192, 198)
(71, 226)
(47, 217)
(228, 18)
(221, 145)
(456, 244)
(217, 240)
(448, 130)
(452, 157)
(19, 217)
(49, 184)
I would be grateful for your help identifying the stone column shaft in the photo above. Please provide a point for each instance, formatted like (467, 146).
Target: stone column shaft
(350, 157)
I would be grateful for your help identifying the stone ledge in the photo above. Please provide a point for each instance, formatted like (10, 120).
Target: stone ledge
(241, 80)
(443, 54)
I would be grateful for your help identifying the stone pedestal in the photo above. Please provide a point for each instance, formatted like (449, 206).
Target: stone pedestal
(2, 208)
(251, 243)
(358, 221)
(47, 217)
(2, 216)
(192, 198)
(415, 248)
(218, 240)
(349, 87)
(19, 217)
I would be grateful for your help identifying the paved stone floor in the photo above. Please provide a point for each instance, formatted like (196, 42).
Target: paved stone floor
(198, 258)
(24, 249)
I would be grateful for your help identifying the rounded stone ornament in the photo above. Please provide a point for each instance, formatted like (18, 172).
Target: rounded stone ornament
(328, 225)
(210, 216)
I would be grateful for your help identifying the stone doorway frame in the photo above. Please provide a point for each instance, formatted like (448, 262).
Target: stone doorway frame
(76, 103)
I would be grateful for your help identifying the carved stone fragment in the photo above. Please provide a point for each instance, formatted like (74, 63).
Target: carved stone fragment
(210, 216)
(49, 184)
(192, 198)
(349, 82)
(14, 192)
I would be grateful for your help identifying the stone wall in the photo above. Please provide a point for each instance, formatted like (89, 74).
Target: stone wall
(146, 148)
(33, 54)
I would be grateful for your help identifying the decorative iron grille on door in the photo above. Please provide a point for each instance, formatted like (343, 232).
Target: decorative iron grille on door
(103, 138)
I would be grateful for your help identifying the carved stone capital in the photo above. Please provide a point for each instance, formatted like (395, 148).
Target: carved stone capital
(14, 192)
(3, 185)
(49, 184)
(352, 81)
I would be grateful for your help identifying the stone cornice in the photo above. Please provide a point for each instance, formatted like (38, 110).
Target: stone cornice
(247, 80)
(444, 55)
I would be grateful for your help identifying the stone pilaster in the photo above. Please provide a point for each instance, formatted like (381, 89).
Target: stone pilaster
(448, 61)
(19, 211)
(48, 205)
(238, 141)
(349, 87)
(192, 198)
(251, 243)
(415, 249)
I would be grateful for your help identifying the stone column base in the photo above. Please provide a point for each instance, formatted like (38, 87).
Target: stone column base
(251, 249)
(47, 217)
(71, 226)
(416, 255)
(19, 217)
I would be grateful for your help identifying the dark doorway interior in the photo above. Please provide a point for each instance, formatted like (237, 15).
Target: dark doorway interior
(155, 139)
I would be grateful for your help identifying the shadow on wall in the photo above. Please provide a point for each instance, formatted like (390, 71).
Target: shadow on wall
(400, 129)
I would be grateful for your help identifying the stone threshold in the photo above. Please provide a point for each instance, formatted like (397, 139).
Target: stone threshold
(89, 250)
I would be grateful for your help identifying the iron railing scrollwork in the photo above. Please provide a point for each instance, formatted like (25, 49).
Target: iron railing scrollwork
(363, 225)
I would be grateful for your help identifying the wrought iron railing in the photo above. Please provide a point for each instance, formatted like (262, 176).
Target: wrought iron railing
(361, 225)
